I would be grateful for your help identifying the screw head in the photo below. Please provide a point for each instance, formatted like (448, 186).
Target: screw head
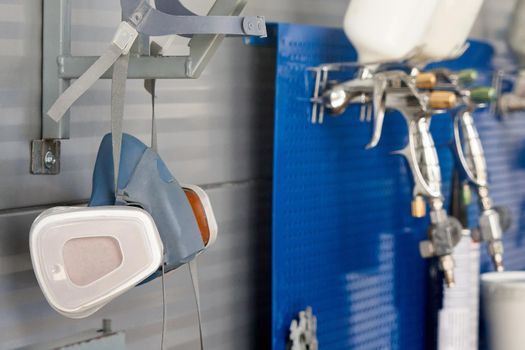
(49, 160)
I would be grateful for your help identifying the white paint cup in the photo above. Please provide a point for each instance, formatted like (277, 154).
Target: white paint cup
(387, 30)
(449, 28)
(503, 305)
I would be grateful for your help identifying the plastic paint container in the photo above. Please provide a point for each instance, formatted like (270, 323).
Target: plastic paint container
(503, 305)
(386, 30)
(449, 28)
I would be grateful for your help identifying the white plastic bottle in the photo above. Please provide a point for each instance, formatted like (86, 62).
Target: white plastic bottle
(449, 28)
(517, 32)
(387, 30)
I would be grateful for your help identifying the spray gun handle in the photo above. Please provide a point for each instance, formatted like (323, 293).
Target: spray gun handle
(421, 155)
(469, 150)
(492, 221)
(420, 151)
(423, 160)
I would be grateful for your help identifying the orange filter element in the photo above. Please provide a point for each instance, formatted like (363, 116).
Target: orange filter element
(201, 206)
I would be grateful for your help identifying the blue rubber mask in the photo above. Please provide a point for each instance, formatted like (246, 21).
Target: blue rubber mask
(145, 181)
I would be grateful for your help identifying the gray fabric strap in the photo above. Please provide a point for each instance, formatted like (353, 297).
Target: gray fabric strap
(158, 23)
(120, 45)
(164, 308)
(82, 84)
(118, 95)
(194, 273)
(150, 85)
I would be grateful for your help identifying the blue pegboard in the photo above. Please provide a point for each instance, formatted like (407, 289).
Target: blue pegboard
(344, 241)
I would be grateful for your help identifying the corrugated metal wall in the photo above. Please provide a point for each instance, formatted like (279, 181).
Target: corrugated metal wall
(215, 131)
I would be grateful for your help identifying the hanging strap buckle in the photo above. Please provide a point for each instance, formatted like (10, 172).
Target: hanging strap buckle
(125, 37)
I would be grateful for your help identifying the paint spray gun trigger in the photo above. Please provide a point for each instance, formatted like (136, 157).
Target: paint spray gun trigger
(379, 106)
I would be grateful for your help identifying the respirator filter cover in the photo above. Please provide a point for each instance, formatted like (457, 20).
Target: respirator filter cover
(85, 257)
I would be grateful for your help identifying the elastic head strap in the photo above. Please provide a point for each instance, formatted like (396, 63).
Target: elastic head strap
(118, 95)
(192, 266)
(150, 85)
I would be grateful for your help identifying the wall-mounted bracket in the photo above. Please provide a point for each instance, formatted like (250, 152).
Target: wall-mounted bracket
(60, 67)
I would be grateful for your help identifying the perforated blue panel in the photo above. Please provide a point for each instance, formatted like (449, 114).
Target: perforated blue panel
(344, 241)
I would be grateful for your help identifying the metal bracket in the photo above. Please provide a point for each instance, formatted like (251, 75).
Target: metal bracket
(45, 157)
(322, 75)
(59, 67)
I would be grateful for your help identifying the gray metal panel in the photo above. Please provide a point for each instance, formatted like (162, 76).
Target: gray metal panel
(234, 277)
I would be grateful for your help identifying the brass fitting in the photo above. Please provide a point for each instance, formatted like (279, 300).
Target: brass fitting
(426, 80)
(419, 207)
(442, 100)
(447, 265)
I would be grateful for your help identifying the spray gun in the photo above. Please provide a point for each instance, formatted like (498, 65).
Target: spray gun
(493, 220)
(397, 90)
